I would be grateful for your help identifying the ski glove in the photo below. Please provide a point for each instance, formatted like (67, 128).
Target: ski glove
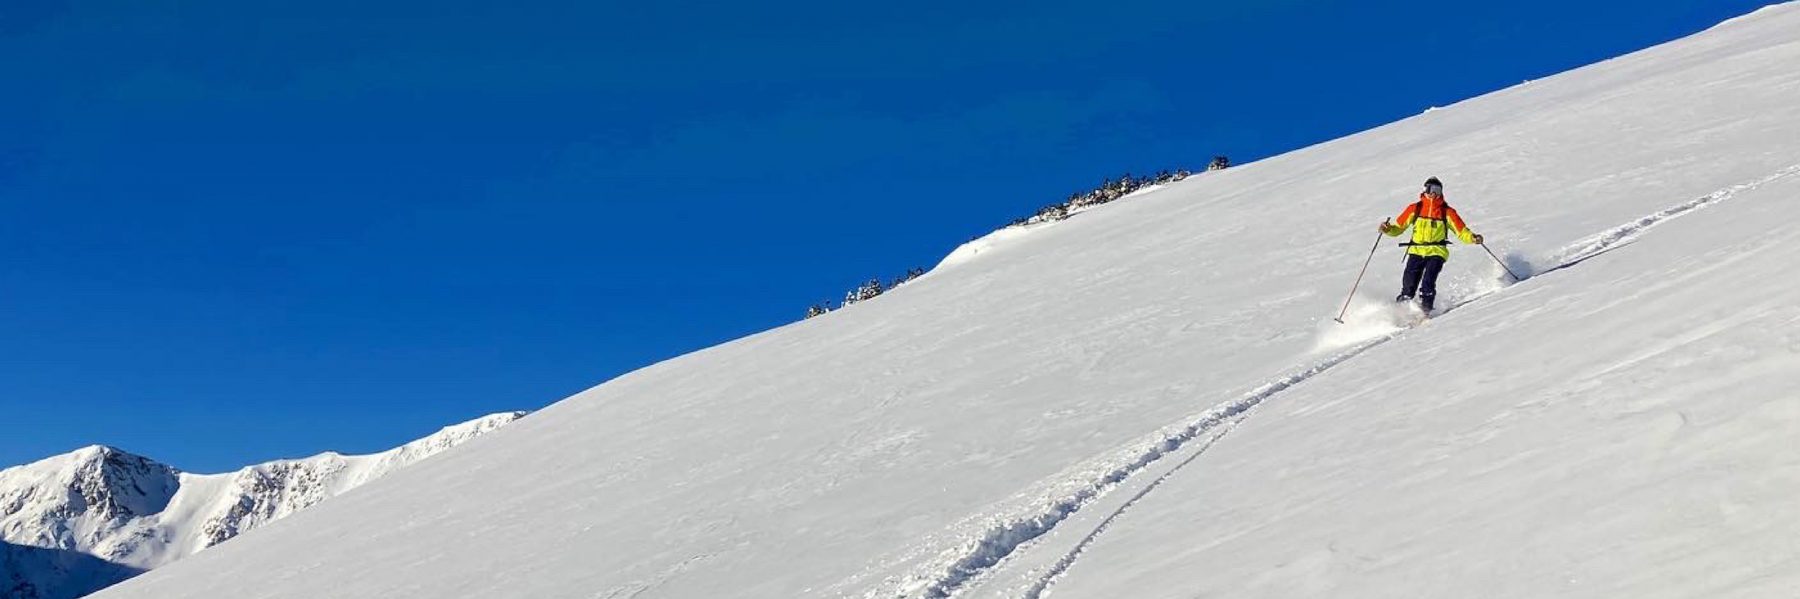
(1477, 238)
(1386, 228)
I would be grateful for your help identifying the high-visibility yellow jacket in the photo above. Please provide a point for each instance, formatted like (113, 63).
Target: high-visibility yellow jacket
(1432, 221)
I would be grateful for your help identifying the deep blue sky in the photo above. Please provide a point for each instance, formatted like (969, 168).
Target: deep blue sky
(235, 231)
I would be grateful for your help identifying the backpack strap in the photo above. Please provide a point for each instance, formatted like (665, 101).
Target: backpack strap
(1419, 213)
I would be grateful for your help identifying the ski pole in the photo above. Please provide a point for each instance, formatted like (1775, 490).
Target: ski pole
(1359, 278)
(1503, 266)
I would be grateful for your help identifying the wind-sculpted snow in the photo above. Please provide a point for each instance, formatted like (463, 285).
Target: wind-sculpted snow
(1026, 418)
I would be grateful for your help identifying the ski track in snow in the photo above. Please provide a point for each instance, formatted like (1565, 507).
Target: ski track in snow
(1002, 540)
(1062, 564)
(1623, 234)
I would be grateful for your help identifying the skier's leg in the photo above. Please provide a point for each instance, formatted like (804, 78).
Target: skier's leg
(1428, 280)
(1409, 282)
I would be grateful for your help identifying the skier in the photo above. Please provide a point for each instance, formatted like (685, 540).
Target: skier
(1432, 221)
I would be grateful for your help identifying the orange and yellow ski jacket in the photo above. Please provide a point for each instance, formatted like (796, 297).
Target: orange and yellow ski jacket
(1432, 221)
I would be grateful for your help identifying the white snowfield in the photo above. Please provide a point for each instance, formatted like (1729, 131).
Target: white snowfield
(1150, 399)
(76, 522)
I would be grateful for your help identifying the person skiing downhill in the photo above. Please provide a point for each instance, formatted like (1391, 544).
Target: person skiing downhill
(1432, 221)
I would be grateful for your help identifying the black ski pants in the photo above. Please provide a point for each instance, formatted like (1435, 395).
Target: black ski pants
(1420, 279)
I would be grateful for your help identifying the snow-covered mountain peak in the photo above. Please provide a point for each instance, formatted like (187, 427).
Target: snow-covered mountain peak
(96, 481)
(90, 458)
(1152, 399)
(120, 508)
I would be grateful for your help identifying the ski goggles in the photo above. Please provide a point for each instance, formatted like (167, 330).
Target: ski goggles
(1434, 189)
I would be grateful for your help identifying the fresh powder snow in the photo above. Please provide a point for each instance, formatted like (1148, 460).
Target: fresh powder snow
(1149, 399)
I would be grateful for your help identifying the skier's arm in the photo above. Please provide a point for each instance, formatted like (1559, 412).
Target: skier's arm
(1400, 224)
(1462, 230)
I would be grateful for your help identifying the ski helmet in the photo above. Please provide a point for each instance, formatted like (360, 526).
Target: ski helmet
(1434, 185)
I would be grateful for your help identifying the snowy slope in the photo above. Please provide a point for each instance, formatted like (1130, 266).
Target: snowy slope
(972, 432)
(38, 573)
(1651, 456)
(80, 521)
